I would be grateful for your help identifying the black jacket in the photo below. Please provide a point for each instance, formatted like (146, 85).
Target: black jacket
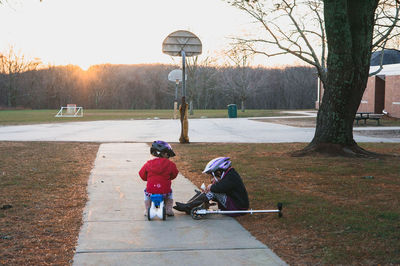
(232, 185)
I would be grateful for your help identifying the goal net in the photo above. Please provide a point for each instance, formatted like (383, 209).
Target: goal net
(71, 110)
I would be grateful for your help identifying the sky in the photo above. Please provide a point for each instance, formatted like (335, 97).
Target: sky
(89, 32)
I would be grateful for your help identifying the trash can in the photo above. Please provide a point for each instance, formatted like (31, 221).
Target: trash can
(232, 110)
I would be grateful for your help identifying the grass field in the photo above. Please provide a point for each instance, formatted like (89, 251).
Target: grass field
(18, 117)
(340, 211)
(337, 211)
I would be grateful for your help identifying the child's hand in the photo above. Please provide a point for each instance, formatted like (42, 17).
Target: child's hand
(208, 188)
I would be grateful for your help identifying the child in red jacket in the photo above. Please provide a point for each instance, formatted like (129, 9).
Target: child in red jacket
(158, 173)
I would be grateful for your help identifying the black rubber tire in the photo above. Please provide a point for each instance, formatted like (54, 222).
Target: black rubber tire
(195, 215)
(164, 213)
(148, 214)
(280, 206)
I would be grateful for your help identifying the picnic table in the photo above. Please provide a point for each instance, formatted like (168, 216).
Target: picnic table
(367, 115)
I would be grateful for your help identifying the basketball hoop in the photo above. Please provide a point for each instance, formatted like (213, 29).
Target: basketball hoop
(176, 76)
(182, 43)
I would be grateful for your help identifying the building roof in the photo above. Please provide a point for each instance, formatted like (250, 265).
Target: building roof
(387, 70)
(390, 56)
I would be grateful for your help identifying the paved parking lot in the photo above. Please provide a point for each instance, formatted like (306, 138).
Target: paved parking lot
(241, 130)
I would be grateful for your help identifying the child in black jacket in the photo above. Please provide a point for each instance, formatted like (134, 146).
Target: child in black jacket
(226, 188)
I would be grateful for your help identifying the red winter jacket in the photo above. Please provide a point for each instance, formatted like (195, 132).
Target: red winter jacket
(158, 173)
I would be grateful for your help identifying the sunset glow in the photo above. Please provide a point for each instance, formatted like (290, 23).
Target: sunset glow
(92, 32)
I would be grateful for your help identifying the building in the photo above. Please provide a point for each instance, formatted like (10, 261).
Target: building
(382, 93)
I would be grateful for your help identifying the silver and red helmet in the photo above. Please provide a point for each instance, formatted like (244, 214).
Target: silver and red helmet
(159, 147)
(220, 163)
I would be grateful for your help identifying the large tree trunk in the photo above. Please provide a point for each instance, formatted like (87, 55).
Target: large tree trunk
(349, 27)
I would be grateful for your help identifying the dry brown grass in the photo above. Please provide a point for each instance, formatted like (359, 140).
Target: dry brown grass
(45, 183)
(336, 210)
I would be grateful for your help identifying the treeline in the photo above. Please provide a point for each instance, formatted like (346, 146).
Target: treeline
(147, 87)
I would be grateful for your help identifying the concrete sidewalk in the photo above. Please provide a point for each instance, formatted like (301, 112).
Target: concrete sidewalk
(115, 231)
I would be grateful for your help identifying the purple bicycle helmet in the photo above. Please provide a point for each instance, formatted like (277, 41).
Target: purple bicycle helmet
(160, 146)
(220, 163)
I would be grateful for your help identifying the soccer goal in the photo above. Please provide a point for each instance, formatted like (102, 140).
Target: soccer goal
(71, 110)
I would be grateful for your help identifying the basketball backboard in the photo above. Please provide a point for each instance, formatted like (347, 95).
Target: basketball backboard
(176, 75)
(182, 40)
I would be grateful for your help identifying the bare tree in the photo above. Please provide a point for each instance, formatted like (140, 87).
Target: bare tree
(196, 77)
(343, 30)
(146, 86)
(12, 64)
(386, 30)
(291, 27)
(240, 81)
(2, 2)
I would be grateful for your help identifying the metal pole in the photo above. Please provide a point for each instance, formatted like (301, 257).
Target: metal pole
(319, 92)
(176, 90)
(184, 121)
(244, 211)
(183, 74)
(176, 99)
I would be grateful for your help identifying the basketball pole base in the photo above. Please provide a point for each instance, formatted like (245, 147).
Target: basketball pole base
(175, 110)
(184, 122)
